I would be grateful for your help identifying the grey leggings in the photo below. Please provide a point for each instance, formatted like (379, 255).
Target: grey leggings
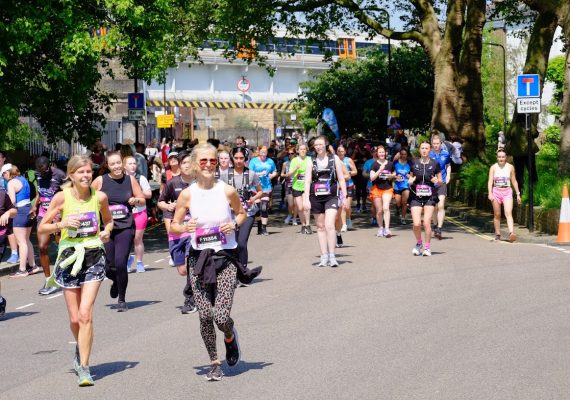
(219, 312)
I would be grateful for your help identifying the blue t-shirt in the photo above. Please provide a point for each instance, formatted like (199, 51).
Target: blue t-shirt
(350, 182)
(443, 158)
(401, 170)
(263, 169)
(366, 168)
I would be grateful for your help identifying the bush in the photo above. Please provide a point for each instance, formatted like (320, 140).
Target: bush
(552, 134)
(474, 176)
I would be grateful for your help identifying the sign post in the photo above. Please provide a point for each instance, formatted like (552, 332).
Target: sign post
(528, 102)
(136, 109)
(243, 86)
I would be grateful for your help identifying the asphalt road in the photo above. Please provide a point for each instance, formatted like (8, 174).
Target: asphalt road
(477, 320)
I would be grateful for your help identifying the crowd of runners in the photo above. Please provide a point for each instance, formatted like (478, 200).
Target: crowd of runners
(210, 196)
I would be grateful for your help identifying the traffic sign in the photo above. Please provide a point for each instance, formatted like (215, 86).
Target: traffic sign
(528, 105)
(528, 85)
(136, 100)
(136, 114)
(164, 121)
(243, 84)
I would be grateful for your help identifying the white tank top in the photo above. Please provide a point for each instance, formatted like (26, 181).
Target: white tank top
(502, 176)
(211, 209)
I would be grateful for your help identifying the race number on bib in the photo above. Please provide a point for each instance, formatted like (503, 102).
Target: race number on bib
(300, 177)
(384, 174)
(209, 237)
(322, 188)
(423, 190)
(119, 211)
(88, 225)
(501, 182)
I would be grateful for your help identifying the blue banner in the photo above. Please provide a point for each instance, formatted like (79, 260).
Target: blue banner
(330, 119)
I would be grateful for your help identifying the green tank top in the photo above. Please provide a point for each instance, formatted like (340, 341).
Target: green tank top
(299, 175)
(88, 212)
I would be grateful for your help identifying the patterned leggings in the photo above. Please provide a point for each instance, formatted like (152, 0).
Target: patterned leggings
(223, 293)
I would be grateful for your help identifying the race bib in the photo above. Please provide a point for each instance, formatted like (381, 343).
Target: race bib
(119, 211)
(88, 225)
(209, 237)
(3, 231)
(289, 183)
(322, 188)
(301, 177)
(501, 182)
(384, 174)
(423, 190)
(45, 202)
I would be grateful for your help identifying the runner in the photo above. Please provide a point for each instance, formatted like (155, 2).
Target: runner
(425, 174)
(248, 187)
(266, 170)
(321, 195)
(80, 265)
(139, 213)
(346, 213)
(382, 175)
(443, 157)
(297, 171)
(212, 263)
(7, 212)
(14, 257)
(223, 163)
(123, 193)
(401, 186)
(49, 181)
(366, 168)
(501, 177)
(19, 192)
(288, 186)
(178, 243)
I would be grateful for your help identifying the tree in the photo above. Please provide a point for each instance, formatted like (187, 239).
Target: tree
(357, 91)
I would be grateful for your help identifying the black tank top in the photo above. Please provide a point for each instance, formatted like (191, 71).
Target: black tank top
(119, 191)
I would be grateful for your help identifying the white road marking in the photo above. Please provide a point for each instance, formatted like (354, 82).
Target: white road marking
(27, 305)
(54, 296)
(160, 260)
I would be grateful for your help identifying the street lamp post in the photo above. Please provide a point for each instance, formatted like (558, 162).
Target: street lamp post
(504, 83)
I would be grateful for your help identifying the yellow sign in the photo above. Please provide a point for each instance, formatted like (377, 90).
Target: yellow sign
(394, 113)
(164, 121)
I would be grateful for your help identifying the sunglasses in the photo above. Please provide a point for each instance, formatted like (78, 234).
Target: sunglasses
(204, 161)
(291, 154)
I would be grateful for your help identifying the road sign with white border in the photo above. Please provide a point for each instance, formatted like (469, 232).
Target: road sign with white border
(528, 105)
(136, 114)
(136, 100)
(243, 84)
(528, 85)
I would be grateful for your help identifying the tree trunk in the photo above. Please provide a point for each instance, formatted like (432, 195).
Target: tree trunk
(564, 158)
(444, 114)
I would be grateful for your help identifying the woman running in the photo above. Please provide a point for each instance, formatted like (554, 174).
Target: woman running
(321, 196)
(80, 265)
(346, 213)
(425, 174)
(212, 260)
(7, 212)
(19, 192)
(501, 177)
(123, 192)
(297, 170)
(266, 170)
(382, 175)
(139, 212)
(288, 186)
(401, 187)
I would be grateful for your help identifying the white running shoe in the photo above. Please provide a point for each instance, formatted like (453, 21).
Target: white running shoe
(343, 228)
(324, 260)
(417, 250)
(426, 253)
(349, 224)
(295, 222)
(387, 233)
(380, 232)
(288, 220)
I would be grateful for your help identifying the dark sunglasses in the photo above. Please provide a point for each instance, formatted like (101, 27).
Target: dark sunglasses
(292, 154)
(204, 161)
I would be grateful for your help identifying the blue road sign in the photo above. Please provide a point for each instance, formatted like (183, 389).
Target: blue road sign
(528, 85)
(136, 101)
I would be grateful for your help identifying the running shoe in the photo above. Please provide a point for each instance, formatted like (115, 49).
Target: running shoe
(264, 231)
(232, 350)
(308, 230)
(387, 233)
(426, 253)
(46, 291)
(2, 307)
(380, 232)
(19, 274)
(215, 373)
(140, 267)
(76, 361)
(171, 262)
(324, 260)
(85, 378)
(122, 306)
(343, 228)
(295, 222)
(349, 224)
(13, 259)
(497, 238)
(114, 292)
(417, 250)
(33, 270)
(288, 220)
(332, 261)
(512, 237)
(188, 307)
(403, 220)
(358, 208)
(130, 262)
(339, 242)
(437, 232)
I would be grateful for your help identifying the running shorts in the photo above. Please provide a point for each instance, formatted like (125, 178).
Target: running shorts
(23, 218)
(297, 193)
(320, 205)
(92, 269)
(442, 190)
(376, 192)
(502, 194)
(179, 249)
(141, 219)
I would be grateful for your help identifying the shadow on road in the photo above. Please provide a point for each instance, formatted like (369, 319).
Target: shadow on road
(240, 368)
(100, 371)
(17, 314)
(135, 304)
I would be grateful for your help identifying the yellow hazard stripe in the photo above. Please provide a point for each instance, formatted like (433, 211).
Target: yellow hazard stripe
(219, 104)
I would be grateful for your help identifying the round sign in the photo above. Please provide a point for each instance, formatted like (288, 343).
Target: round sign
(243, 84)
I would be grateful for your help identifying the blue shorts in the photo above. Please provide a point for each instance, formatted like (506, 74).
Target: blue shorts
(23, 218)
(178, 249)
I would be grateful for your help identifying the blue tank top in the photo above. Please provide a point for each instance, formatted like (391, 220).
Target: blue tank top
(401, 170)
(348, 182)
(24, 193)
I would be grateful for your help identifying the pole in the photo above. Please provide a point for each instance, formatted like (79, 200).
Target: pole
(530, 176)
(136, 122)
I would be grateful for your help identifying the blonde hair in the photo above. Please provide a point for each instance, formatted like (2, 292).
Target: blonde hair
(13, 172)
(194, 157)
(74, 163)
